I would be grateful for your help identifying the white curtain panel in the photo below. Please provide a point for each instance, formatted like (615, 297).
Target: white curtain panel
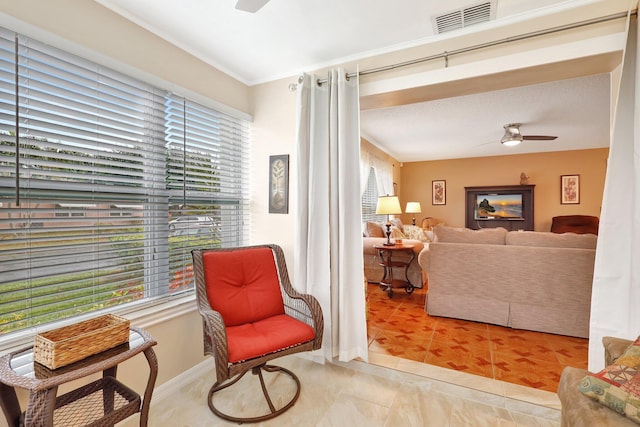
(328, 234)
(616, 283)
(365, 168)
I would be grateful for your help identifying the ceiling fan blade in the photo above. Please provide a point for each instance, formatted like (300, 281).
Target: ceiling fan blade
(251, 6)
(539, 137)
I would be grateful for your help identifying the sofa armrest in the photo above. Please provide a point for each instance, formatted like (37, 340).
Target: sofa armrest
(580, 411)
(423, 257)
(613, 348)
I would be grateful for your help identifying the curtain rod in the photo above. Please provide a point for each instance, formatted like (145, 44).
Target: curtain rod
(447, 54)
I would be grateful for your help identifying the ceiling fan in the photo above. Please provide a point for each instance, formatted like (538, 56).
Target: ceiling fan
(512, 135)
(251, 6)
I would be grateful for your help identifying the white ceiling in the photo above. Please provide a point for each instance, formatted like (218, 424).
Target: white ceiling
(287, 37)
(574, 110)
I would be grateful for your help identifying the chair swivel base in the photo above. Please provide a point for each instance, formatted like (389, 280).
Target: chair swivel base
(273, 411)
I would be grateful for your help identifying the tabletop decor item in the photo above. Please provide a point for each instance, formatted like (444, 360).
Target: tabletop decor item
(68, 344)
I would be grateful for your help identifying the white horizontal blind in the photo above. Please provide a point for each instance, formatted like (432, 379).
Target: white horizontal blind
(207, 157)
(370, 200)
(89, 228)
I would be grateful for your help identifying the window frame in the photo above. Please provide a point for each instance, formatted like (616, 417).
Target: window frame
(147, 302)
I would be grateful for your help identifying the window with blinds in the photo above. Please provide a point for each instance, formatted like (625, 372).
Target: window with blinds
(370, 200)
(106, 184)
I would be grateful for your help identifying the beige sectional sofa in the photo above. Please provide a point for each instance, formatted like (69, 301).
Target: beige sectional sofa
(522, 279)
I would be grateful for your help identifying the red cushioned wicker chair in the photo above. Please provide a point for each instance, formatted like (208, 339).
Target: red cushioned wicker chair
(251, 314)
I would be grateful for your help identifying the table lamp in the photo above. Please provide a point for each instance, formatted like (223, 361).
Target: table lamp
(414, 208)
(388, 205)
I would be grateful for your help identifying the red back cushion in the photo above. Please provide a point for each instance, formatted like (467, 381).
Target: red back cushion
(243, 285)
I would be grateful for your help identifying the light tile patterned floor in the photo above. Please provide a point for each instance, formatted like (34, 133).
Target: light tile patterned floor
(347, 394)
(400, 327)
(419, 374)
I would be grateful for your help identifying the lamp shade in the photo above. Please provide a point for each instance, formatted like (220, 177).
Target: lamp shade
(413, 207)
(388, 205)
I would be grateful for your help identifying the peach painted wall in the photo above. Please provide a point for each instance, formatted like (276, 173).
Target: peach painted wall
(544, 171)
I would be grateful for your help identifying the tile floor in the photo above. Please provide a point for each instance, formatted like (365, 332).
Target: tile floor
(400, 327)
(422, 371)
(359, 394)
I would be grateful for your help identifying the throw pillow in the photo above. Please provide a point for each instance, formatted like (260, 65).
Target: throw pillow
(416, 233)
(398, 223)
(374, 229)
(618, 385)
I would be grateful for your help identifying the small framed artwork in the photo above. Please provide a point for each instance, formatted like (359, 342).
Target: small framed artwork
(439, 192)
(570, 189)
(279, 184)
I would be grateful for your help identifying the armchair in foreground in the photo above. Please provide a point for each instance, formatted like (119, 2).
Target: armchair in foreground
(252, 314)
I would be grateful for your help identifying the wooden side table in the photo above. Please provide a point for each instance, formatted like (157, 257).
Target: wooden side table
(386, 254)
(103, 402)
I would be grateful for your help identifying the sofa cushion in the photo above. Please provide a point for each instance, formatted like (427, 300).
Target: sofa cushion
(551, 240)
(374, 229)
(618, 385)
(490, 236)
(244, 289)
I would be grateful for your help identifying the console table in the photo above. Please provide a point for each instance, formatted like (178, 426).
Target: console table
(102, 402)
(386, 254)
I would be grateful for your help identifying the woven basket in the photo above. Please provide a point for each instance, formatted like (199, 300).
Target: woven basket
(63, 346)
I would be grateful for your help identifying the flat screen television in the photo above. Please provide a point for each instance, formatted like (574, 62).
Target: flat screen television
(498, 207)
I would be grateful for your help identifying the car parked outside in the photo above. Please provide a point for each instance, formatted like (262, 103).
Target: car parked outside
(191, 221)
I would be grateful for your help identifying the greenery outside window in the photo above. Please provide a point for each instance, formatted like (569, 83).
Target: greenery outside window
(95, 168)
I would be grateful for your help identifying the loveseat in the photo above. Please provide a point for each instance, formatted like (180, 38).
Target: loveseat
(539, 281)
(373, 235)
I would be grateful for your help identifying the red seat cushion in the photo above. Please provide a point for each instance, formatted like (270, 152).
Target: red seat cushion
(243, 285)
(266, 336)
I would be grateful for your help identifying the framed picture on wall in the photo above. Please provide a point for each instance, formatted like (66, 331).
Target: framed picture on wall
(439, 192)
(279, 184)
(570, 189)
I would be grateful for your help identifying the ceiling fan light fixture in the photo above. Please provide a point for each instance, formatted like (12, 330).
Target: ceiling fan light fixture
(510, 140)
(512, 135)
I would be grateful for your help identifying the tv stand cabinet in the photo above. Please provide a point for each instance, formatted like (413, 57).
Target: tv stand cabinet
(513, 224)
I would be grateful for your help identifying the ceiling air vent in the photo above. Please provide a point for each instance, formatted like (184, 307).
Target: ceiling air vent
(461, 18)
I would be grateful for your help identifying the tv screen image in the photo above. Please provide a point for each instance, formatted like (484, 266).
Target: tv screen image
(498, 206)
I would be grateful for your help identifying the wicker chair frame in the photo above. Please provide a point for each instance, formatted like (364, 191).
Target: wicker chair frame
(302, 307)
(429, 222)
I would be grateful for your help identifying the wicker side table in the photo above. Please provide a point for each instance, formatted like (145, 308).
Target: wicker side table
(103, 402)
